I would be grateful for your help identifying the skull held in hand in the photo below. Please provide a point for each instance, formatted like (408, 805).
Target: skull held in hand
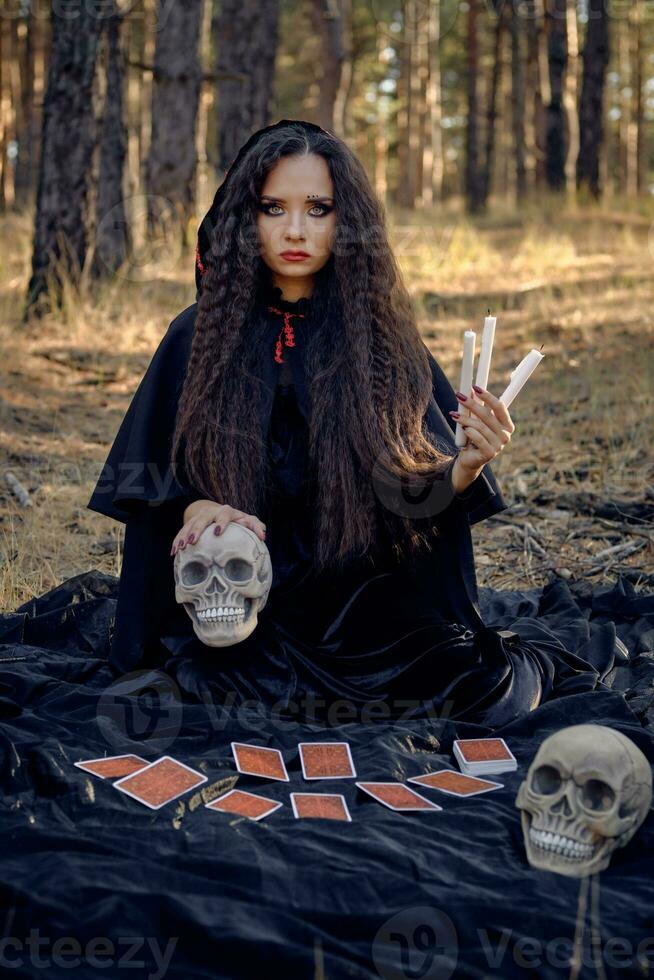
(586, 793)
(223, 581)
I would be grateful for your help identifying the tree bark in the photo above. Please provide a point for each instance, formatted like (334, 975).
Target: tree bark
(534, 85)
(381, 129)
(571, 94)
(171, 161)
(638, 13)
(432, 168)
(491, 108)
(247, 33)
(623, 171)
(112, 240)
(27, 131)
(557, 56)
(342, 104)
(414, 129)
(474, 184)
(421, 131)
(518, 99)
(333, 27)
(68, 140)
(591, 104)
(402, 124)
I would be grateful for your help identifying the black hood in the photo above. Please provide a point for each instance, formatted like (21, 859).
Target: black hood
(209, 221)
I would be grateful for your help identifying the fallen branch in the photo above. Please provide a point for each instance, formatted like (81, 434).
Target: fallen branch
(18, 490)
(597, 506)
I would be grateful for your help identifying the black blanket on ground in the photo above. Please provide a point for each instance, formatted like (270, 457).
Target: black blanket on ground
(187, 892)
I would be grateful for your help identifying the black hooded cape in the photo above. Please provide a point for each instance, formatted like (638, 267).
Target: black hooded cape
(372, 632)
(189, 893)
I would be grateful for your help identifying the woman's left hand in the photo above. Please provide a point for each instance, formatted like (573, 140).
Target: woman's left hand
(488, 428)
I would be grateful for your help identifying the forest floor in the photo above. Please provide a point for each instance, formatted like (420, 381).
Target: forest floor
(578, 475)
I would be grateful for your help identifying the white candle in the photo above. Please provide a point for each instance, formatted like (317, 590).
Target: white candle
(467, 361)
(485, 351)
(520, 375)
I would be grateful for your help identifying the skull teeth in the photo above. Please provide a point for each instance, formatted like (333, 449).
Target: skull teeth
(224, 614)
(560, 844)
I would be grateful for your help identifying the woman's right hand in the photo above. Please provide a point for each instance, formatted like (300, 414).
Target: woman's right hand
(202, 513)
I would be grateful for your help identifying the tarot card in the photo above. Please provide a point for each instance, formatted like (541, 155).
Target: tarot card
(331, 806)
(326, 760)
(397, 796)
(484, 750)
(112, 766)
(160, 782)
(255, 760)
(455, 783)
(244, 804)
(477, 756)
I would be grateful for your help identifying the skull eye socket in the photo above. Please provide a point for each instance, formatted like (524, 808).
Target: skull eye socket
(596, 796)
(546, 781)
(193, 573)
(238, 570)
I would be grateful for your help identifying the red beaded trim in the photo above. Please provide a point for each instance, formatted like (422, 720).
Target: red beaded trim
(287, 331)
(198, 259)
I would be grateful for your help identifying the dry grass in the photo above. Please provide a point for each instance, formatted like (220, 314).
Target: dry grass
(580, 284)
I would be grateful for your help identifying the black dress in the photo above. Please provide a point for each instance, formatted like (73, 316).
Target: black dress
(383, 638)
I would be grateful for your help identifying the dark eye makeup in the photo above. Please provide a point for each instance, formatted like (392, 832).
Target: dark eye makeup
(265, 208)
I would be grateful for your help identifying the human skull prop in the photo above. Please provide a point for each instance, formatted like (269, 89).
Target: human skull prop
(223, 581)
(586, 793)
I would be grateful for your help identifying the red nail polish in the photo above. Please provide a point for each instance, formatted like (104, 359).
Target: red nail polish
(455, 415)
(478, 389)
(462, 397)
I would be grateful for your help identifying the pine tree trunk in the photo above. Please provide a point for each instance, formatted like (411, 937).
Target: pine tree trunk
(474, 184)
(638, 96)
(404, 191)
(342, 102)
(518, 99)
(432, 154)
(591, 104)
(112, 242)
(9, 107)
(328, 19)
(534, 86)
(422, 131)
(247, 43)
(381, 130)
(571, 95)
(491, 108)
(171, 161)
(27, 134)
(557, 56)
(3, 130)
(624, 156)
(413, 11)
(68, 140)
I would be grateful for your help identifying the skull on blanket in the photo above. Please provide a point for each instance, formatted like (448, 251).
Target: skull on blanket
(223, 581)
(586, 793)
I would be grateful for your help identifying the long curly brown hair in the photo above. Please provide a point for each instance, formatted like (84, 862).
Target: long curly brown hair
(368, 370)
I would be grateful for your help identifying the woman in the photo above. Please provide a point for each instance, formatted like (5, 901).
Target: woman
(297, 398)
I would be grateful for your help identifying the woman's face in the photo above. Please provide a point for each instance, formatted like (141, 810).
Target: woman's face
(296, 214)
